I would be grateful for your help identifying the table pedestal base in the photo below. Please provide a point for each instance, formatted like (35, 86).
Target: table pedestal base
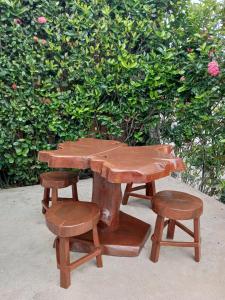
(127, 240)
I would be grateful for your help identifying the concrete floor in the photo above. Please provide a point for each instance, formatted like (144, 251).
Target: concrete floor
(28, 268)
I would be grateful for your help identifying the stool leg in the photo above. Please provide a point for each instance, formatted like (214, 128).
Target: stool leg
(64, 261)
(46, 199)
(74, 192)
(197, 239)
(97, 245)
(150, 188)
(56, 245)
(127, 193)
(156, 238)
(54, 196)
(171, 229)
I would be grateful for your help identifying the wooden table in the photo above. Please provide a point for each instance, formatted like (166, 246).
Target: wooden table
(114, 163)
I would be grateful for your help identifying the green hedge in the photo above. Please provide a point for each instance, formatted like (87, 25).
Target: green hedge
(131, 70)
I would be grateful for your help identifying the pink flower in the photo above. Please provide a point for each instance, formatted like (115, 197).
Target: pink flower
(189, 50)
(182, 78)
(14, 86)
(17, 21)
(42, 20)
(35, 39)
(44, 42)
(213, 68)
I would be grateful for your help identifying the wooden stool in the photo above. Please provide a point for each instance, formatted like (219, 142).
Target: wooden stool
(175, 206)
(69, 219)
(54, 181)
(149, 191)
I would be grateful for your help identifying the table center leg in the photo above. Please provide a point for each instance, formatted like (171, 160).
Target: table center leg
(120, 234)
(108, 197)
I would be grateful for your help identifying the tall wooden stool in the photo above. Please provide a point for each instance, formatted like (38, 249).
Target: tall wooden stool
(149, 191)
(52, 181)
(69, 219)
(175, 206)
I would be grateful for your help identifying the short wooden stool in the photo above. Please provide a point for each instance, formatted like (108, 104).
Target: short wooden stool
(69, 219)
(149, 188)
(52, 181)
(175, 206)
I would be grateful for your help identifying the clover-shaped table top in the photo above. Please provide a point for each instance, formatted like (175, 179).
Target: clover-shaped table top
(115, 161)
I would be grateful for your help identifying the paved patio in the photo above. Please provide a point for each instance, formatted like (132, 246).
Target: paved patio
(28, 268)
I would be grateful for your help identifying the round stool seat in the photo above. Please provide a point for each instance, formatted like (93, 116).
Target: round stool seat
(72, 218)
(58, 179)
(177, 205)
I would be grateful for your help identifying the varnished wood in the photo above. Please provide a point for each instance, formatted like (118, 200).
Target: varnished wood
(177, 205)
(135, 164)
(85, 258)
(66, 220)
(72, 218)
(137, 188)
(54, 196)
(156, 238)
(127, 240)
(56, 246)
(140, 196)
(184, 228)
(58, 179)
(114, 163)
(77, 154)
(178, 244)
(97, 246)
(166, 223)
(127, 192)
(108, 197)
(149, 192)
(197, 239)
(150, 189)
(46, 199)
(74, 192)
(171, 229)
(52, 182)
(64, 262)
